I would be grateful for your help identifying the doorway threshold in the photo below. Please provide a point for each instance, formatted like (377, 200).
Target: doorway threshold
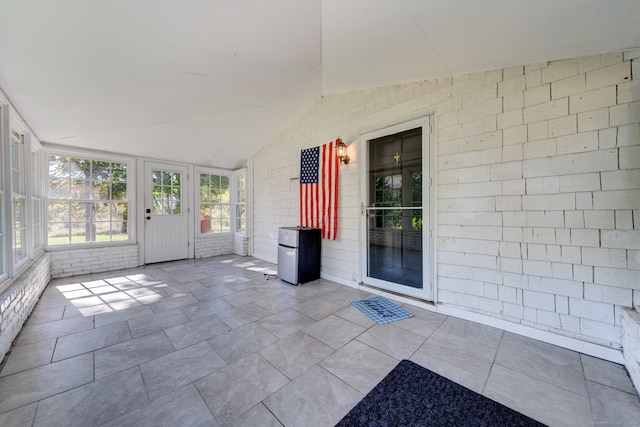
(398, 294)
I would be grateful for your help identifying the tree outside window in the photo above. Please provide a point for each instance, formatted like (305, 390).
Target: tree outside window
(87, 201)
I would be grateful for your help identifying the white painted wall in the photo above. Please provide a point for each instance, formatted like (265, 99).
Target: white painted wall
(537, 189)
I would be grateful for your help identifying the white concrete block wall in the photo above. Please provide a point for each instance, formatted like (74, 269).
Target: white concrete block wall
(17, 302)
(537, 181)
(241, 245)
(73, 262)
(214, 245)
(631, 343)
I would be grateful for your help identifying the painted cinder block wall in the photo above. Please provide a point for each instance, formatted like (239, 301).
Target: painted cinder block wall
(537, 184)
(75, 262)
(18, 301)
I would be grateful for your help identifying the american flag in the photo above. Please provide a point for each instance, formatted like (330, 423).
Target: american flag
(319, 189)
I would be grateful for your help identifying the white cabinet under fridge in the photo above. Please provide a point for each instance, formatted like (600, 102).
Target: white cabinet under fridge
(298, 254)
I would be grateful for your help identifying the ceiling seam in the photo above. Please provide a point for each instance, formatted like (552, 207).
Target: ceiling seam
(321, 50)
(424, 34)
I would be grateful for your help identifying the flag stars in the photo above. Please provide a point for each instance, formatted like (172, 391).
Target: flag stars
(309, 165)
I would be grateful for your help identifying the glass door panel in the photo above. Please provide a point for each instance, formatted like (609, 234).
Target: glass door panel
(395, 211)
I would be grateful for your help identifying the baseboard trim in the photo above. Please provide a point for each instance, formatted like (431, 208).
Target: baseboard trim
(575, 344)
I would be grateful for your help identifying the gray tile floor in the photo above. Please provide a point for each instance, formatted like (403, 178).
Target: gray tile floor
(212, 342)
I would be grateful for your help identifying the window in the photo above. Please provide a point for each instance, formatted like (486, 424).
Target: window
(241, 204)
(215, 204)
(87, 201)
(19, 197)
(36, 201)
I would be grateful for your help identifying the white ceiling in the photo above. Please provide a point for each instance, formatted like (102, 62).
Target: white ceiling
(212, 81)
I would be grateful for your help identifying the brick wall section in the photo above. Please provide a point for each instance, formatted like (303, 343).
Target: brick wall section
(537, 183)
(73, 262)
(19, 300)
(214, 245)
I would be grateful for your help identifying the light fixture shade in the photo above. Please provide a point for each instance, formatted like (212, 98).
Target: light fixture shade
(341, 151)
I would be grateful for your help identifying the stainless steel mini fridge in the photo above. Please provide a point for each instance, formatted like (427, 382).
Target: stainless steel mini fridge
(298, 254)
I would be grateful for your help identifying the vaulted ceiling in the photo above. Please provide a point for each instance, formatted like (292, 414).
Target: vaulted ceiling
(211, 81)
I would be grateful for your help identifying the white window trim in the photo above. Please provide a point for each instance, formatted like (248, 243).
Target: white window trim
(198, 201)
(236, 173)
(53, 150)
(25, 173)
(10, 121)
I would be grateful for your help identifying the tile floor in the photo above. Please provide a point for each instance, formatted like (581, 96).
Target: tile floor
(212, 342)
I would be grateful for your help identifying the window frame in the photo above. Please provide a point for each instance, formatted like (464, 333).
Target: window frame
(22, 192)
(36, 198)
(30, 151)
(198, 201)
(238, 173)
(92, 156)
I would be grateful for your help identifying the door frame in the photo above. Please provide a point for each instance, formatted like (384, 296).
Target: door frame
(428, 292)
(141, 188)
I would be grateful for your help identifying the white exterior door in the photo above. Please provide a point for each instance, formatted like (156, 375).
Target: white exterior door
(166, 235)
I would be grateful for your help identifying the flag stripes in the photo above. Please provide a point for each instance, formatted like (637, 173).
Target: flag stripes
(319, 189)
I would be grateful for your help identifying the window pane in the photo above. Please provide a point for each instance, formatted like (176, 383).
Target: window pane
(204, 188)
(166, 178)
(58, 211)
(19, 229)
(175, 193)
(59, 188)
(15, 177)
(103, 231)
(240, 218)
(80, 211)
(119, 191)
(156, 177)
(58, 166)
(102, 211)
(36, 206)
(215, 189)
(119, 172)
(101, 190)
(120, 217)
(80, 189)
(216, 212)
(119, 231)
(79, 232)
(79, 168)
(58, 233)
(17, 154)
(100, 171)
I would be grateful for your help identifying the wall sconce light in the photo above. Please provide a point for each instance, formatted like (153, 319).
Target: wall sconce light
(341, 152)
